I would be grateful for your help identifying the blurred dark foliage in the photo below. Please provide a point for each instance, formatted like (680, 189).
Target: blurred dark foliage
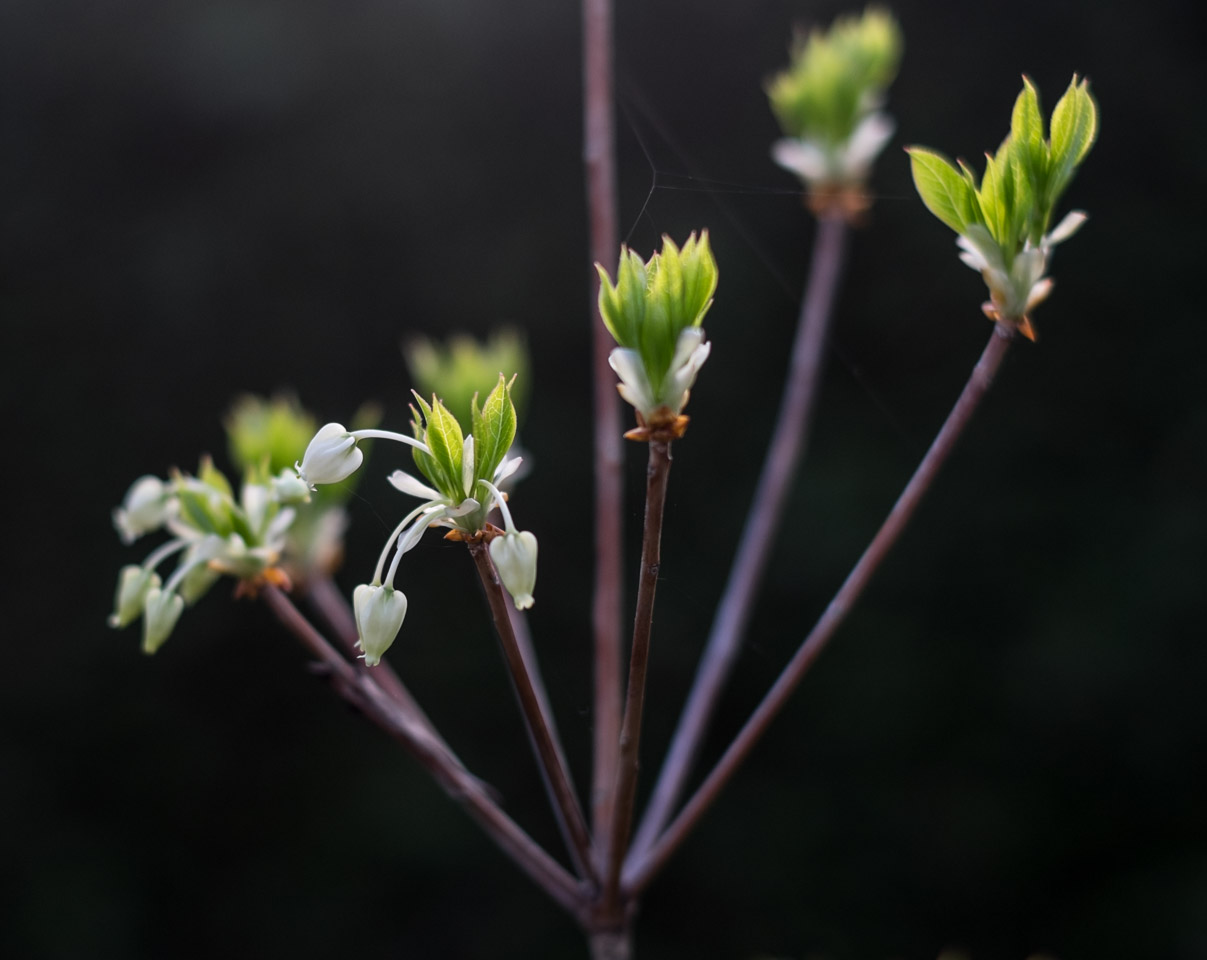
(205, 197)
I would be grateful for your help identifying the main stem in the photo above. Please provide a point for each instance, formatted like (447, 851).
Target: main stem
(549, 757)
(599, 159)
(362, 692)
(643, 865)
(787, 445)
(630, 735)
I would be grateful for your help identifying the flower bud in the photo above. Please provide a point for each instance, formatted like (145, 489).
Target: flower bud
(379, 611)
(514, 555)
(133, 585)
(160, 613)
(144, 509)
(330, 457)
(290, 488)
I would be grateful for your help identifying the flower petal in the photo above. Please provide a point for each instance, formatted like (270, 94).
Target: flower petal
(408, 484)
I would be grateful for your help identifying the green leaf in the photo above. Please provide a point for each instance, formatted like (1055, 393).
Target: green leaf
(700, 278)
(445, 440)
(211, 476)
(660, 329)
(990, 196)
(494, 430)
(443, 437)
(1027, 124)
(205, 513)
(1074, 124)
(944, 191)
(1074, 128)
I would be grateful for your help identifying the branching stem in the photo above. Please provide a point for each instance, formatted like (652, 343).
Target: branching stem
(548, 753)
(362, 692)
(643, 865)
(784, 451)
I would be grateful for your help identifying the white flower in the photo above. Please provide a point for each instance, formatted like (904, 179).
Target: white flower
(690, 353)
(160, 613)
(290, 488)
(330, 457)
(133, 584)
(514, 556)
(144, 509)
(1016, 291)
(379, 612)
(819, 163)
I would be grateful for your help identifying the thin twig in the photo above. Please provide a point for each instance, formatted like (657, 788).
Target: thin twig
(549, 757)
(454, 779)
(599, 160)
(784, 452)
(532, 666)
(643, 865)
(630, 735)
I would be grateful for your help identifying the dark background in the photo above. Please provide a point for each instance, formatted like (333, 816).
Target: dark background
(1000, 752)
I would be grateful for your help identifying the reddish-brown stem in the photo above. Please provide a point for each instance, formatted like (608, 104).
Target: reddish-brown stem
(784, 451)
(460, 785)
(523, 639)
(599, 160)
(549, 757)
(630, 735)
(643, 865)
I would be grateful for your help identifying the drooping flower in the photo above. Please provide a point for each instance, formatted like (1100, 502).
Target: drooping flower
(379, 611)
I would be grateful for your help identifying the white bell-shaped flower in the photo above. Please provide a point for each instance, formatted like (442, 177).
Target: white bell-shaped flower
(330, 457)
(160, 613)
(144, 509)
(379, 612)
(133, 584)
(514, 556)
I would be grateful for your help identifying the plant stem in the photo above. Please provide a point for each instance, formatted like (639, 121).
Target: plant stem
(630, 735)
(643, 865)
(599, 160)
(549, 756)
(784, 452)
(362, 692)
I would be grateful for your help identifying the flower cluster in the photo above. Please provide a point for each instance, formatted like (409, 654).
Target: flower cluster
(827, 101)
(1003, 224)
(212, 532)
(462, 474)
(654, 312)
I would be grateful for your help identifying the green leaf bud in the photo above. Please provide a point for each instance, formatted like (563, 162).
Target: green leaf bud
(1004, 221)
(827, 100)
(649, 311)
